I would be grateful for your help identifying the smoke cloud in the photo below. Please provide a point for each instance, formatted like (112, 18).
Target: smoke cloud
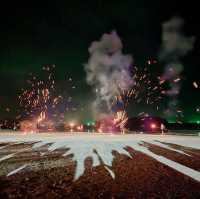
(108, 72)
(175, 45)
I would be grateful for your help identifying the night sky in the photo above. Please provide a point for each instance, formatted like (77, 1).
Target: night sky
(60, 32)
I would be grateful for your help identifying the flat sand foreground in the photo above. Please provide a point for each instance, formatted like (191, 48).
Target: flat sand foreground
(57, 165)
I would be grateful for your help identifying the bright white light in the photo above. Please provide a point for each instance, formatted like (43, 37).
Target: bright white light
(71, 124)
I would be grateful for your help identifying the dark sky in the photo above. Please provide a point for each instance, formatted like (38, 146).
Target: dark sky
(60, 32)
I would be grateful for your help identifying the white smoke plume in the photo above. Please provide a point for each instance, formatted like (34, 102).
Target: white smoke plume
(108, 71)
(175, 45)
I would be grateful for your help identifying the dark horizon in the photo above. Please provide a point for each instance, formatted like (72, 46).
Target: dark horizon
(60, 33)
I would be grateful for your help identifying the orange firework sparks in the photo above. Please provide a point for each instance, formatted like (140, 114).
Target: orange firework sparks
(40, 97)
(41, 117)
(146, 88)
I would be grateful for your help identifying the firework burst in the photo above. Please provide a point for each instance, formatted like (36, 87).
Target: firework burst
(40, 101)
(146, 89)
